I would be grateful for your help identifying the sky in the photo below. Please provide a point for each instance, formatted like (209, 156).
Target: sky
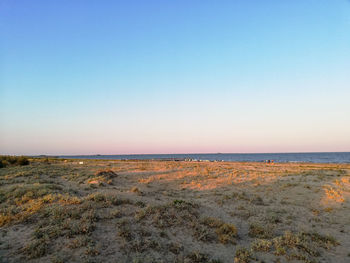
(191, 76)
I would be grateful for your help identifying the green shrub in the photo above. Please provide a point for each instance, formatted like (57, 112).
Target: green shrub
(22, 160)
(13, 160)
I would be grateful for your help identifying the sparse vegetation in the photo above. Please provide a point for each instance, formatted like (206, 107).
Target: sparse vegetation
(302, 246)
(53, 211)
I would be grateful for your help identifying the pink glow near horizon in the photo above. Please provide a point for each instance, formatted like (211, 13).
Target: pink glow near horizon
(174, 77)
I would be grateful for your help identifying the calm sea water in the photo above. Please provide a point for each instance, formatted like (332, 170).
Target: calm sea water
(329, 157)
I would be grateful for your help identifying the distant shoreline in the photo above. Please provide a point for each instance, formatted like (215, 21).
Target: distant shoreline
(323, 157)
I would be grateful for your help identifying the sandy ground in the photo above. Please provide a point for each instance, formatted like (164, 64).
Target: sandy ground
(165, 211)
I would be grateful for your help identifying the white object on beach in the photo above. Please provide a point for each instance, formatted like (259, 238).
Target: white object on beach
(81, 162)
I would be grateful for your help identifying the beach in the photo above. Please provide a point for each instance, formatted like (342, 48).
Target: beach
(60, 210)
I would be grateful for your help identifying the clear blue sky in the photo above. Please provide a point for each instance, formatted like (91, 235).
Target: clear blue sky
(80, 77)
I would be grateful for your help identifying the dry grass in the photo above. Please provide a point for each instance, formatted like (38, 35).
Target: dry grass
(56, 210)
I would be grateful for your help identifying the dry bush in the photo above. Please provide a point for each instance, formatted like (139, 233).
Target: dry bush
(243, 255)
(261, 245)
(107, 173)
(259, 231)
(226, 233)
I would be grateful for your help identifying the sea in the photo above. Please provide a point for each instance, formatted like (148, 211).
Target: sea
(312, 157)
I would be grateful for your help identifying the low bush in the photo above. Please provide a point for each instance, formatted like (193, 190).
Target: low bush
(243, 255)
(260, 231)
(6, 160)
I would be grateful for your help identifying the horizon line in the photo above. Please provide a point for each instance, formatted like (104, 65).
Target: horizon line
(130, 154)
